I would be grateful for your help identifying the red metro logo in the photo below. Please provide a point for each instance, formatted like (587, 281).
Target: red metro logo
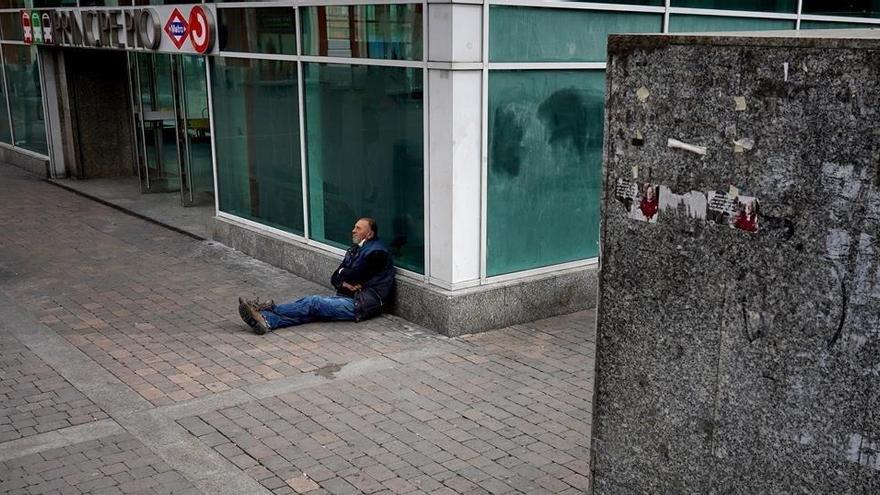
(200, 29)
(177, 29)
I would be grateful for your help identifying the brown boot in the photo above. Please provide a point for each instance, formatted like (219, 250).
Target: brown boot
(249, 311)
(260, 326)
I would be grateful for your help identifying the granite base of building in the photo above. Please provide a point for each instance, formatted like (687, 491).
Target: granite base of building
(26, 161)
(451, 313)
(738, 337)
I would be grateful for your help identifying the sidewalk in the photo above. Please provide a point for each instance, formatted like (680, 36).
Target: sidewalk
(124, 368)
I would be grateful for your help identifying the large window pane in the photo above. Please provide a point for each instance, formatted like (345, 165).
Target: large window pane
(781, 6)
(263, 30)
(5, 133)
(853, 8)
(365, 155)
(837, 25)
(363, 31)
(25, 97)
(256, 124)
(705, 23)
(545, 166)
(10, 26)
(654, 3)
(522, 34)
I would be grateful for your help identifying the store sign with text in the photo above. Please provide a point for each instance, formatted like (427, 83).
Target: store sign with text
(160, 28)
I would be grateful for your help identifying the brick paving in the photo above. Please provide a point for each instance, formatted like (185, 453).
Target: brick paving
(115, 464)
(34, 398)
(382, 406)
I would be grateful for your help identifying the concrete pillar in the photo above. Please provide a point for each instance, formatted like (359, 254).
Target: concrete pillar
(455, 103)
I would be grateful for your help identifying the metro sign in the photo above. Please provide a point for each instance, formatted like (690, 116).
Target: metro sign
(177, 29)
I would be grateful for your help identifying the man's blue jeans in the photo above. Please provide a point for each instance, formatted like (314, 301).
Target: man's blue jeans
(308, 309)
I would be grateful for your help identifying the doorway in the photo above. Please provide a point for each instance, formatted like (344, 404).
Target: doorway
(172, 135)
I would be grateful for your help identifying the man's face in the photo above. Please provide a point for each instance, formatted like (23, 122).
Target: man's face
(361, 231)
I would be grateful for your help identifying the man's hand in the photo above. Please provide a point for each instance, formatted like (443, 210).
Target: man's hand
(352, 287)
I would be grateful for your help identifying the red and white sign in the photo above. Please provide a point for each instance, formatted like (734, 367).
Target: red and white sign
(26, 25)
(177, 28)
(200, 34)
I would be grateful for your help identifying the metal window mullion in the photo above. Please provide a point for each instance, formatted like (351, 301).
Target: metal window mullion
(300, 82)
(800, 10)
(140, 101)
(6, 96)
(561, 4)
(362, 61)
(426, 148)
(46, 121)
(484, 145)
(733, 13)
(209, 82)
(666, 16)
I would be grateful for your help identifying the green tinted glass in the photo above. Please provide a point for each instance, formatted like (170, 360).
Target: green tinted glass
(707, 24)
(256, 125)
(363, 31)
(522, 34)
(196, 120)
(852, 8)
(836, 25)
(263, 30)
(654, 3)
(5, 134)
(365, 155)
(781, 6)
(25, 97)
(545, 167)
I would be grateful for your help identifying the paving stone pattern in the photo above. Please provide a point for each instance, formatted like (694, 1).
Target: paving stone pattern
(34, 398)
(116, 464)
(382, 406)
(483, 419)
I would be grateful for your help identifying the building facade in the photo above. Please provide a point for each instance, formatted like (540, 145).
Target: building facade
(471, 130)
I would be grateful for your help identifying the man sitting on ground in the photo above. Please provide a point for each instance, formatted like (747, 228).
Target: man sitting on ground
(364, 283)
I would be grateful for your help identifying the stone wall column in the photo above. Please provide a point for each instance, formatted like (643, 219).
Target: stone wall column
(454, 120)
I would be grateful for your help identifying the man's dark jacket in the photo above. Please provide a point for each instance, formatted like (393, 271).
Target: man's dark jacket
(371, 267)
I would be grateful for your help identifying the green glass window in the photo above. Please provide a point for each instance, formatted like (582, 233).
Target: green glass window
(836, 25)
(10, 26)
(391, 32)
(780, 6)
(523, 34)
(365, 154)
(5, 132)
(708, 24)
(15, 4)
(25, 97)
(259, 30)
(53, 3)
(256, 126)
(653, 3)
(545, 167)
(851, 8)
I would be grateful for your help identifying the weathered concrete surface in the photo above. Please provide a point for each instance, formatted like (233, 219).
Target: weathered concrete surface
(732, 361)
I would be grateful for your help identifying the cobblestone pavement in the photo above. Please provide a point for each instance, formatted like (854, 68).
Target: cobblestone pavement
(124, 368)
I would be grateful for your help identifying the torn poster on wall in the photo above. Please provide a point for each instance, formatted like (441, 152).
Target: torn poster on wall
(642, 201)
(646, 202)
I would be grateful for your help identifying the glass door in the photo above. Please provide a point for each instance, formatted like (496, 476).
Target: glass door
(172, 131)
(194, 122)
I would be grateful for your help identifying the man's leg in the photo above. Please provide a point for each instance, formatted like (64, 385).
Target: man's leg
(308, 309)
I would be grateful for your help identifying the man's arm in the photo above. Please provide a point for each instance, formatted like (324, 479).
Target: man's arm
(372, 265)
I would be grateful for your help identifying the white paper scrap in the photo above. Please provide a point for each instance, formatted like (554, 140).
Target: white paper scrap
(675, 143)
